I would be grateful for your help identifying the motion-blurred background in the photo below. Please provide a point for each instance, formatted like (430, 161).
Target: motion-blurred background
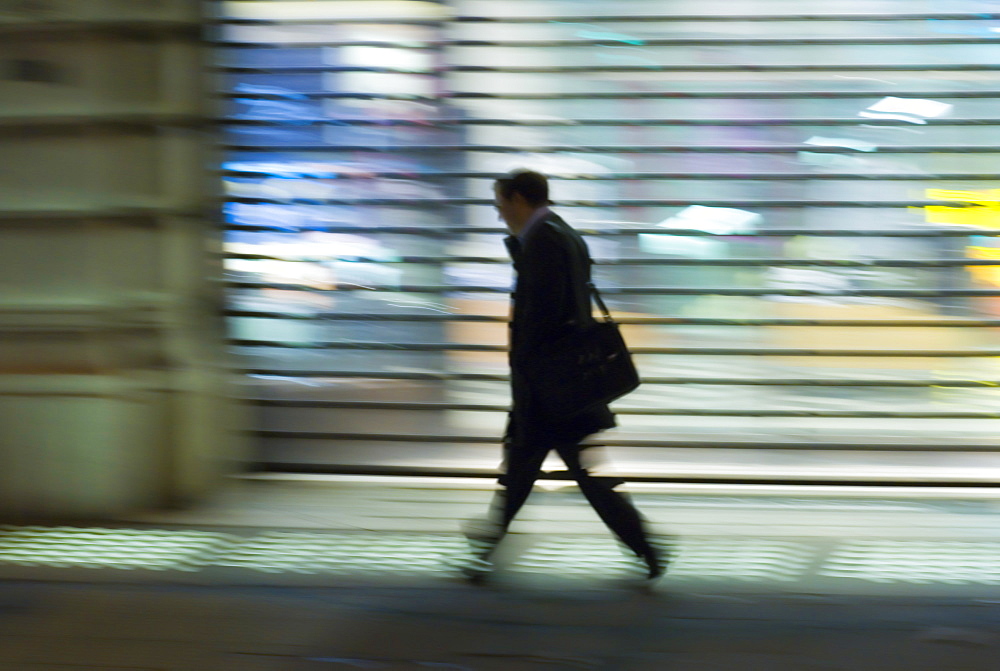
(259, 235)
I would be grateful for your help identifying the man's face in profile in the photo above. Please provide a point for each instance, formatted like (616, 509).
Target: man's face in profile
(503, 205)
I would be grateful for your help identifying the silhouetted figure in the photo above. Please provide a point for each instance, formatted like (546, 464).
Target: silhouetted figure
(551, 296)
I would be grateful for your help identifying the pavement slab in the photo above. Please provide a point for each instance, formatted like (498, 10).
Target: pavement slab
(359, 578)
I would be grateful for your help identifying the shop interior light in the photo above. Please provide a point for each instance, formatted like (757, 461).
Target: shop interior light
(685, 246)
(332, 9)
(912, 110)
(379, 82)
(383, 57)
(849, 143)
(718, 220)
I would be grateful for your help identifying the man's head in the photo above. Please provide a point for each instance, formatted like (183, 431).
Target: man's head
(519, 194)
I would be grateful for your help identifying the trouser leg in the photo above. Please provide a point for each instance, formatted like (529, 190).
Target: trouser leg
(522, 466)
(614, 508)
(520, 471)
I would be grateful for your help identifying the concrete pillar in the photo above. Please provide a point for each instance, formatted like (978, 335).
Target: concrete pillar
(114, 378)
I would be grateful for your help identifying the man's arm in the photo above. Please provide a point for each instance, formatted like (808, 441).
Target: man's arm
(544, 284)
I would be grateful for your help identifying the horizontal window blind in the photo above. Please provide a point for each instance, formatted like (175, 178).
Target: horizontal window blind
(794, 214)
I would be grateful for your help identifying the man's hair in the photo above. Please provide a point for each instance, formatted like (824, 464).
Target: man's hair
(532, 186)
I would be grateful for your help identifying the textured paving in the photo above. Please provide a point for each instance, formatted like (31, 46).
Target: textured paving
(350, 576)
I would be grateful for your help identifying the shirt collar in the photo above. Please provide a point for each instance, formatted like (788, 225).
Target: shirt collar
(533, 220)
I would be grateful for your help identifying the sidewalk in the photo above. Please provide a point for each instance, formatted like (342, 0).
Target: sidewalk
(289, 578)
(47, 626)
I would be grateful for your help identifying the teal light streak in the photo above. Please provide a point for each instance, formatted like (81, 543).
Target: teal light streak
(597, 33)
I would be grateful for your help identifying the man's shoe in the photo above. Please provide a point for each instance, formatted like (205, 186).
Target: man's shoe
(483, 537)
(477, 570)
(655, 563)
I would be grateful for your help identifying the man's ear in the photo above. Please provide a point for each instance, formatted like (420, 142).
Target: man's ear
(518, 200)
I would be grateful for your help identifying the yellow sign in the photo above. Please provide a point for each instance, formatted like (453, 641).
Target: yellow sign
(984, 211)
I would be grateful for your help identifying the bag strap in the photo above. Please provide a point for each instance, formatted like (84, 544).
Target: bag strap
(600, 303)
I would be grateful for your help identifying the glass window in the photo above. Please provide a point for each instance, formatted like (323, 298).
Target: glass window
(795, 218)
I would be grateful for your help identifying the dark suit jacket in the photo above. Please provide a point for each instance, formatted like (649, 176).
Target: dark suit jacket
(550, 299)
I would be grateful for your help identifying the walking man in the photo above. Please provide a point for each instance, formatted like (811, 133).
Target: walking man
(551, 297)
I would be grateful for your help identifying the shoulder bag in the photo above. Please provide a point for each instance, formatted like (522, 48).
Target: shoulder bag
(586, 369)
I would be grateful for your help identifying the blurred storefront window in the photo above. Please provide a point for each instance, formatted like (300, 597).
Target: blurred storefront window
(793, 210)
